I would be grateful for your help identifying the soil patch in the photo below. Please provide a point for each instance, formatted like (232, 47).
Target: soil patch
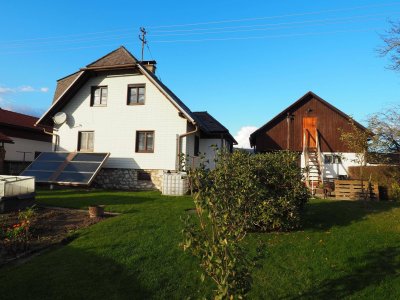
(49, 227)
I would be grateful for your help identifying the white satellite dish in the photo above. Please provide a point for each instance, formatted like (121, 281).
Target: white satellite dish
(60, 118)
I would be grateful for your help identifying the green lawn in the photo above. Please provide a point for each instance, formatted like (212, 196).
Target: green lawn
(346, 249)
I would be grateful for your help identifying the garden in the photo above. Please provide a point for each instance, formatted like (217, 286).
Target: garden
(334, 249)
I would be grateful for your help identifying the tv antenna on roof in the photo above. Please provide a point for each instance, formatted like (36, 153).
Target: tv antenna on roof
(142, 37)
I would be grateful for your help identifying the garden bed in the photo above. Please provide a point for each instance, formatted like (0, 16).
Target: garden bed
(48, 227)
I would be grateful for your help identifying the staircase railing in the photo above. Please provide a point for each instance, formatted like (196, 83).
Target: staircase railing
(306, 158)
(320, 158)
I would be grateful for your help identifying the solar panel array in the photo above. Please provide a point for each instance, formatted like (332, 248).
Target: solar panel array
(75, 168)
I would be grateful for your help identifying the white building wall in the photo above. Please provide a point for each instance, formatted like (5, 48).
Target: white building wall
(207, 148)
(25, 145)
(116, 124)
(334, 170)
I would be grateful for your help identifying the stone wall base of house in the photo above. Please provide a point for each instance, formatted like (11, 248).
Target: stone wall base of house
(129, 179)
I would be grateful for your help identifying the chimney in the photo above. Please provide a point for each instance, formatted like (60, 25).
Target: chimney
(150, 65)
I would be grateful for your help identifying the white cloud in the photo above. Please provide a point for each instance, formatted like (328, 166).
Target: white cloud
(5, 90)
(26, 89)
(242, 136)
(23, 89)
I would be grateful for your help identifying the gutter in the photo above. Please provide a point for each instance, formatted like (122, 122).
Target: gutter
(180, 137)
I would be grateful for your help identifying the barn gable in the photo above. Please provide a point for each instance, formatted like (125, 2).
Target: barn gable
(286, 130)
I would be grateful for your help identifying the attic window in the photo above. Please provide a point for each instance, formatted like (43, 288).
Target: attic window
(99, 96)
(136, 94)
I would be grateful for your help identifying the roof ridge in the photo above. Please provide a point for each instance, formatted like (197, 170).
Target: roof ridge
(112, 52)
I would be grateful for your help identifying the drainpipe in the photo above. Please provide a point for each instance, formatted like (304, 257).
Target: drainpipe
(180, 137)
(57, 141)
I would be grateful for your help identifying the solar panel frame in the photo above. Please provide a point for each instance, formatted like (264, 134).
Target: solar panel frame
(67, 162)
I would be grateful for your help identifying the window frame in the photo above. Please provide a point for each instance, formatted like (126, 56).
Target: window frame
(334, 159)
(136, 86)
(79, 148)
(92, 95)
(138, 132)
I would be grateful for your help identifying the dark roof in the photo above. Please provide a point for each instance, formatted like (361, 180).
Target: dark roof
(11, 118)
(306, 97)
(210, 125)
(64, 83)
(118, 57)
(5, 139)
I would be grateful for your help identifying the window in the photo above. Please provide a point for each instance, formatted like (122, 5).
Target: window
(145, 141)
(99, 96)
(196, 145)
(85, 141)
(136, 94)
(330, 159)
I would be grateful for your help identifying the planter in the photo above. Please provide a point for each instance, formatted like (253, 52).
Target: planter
(96, 211)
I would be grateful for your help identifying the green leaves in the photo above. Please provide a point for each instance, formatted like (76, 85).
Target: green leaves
(244, 192)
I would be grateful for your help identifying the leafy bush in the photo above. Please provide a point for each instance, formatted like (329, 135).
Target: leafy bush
(282, 193)
(244, 192)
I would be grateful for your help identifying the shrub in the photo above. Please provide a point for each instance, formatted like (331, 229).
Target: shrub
(244, 192)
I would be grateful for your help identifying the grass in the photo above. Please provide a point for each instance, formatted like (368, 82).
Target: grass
(345, 250)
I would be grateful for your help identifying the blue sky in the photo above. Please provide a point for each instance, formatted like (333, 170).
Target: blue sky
(243, 62)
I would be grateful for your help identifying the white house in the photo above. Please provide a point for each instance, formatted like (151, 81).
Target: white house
(20, 141)
(118, 105)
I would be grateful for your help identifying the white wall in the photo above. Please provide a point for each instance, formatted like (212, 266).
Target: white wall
(116, 124)
(27, 146)
(334, 170)
(206, 147)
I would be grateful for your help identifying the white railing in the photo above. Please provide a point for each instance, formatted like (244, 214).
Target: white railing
(306, 159)
(320, 158)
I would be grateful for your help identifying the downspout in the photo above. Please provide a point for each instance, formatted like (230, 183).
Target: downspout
(57, 141)
(180, 137)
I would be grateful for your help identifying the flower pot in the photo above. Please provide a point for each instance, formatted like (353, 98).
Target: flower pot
(96, 211)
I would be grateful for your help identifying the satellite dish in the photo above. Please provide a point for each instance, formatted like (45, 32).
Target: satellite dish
(60, 118)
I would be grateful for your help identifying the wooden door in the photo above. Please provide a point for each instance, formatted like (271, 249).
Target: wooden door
(310, 130)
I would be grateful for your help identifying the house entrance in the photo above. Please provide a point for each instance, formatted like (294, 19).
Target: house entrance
(310, 131)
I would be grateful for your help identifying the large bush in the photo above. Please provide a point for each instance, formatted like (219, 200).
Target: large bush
(244, 192)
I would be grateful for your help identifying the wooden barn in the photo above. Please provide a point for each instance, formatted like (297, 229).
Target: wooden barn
(310, 126)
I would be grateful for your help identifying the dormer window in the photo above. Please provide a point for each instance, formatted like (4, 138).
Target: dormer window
(136, 94)
(99, 96)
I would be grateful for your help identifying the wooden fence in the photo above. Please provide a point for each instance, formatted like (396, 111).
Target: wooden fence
(352, 190)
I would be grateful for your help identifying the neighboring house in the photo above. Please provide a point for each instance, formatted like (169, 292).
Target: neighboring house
(117, 105)
(310, 126)
(22, 141)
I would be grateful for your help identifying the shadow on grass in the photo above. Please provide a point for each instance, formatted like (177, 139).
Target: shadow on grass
(72, 273)
(326, 214)
(370, 270)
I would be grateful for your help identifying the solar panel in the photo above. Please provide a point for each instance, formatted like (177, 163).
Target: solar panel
(74, 168)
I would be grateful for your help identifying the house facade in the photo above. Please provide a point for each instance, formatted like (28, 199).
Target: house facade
(117, 105)
(21, 141)
(310, 126)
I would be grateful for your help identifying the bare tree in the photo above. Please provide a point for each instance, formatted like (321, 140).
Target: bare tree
(391, 46)
(386, 128)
